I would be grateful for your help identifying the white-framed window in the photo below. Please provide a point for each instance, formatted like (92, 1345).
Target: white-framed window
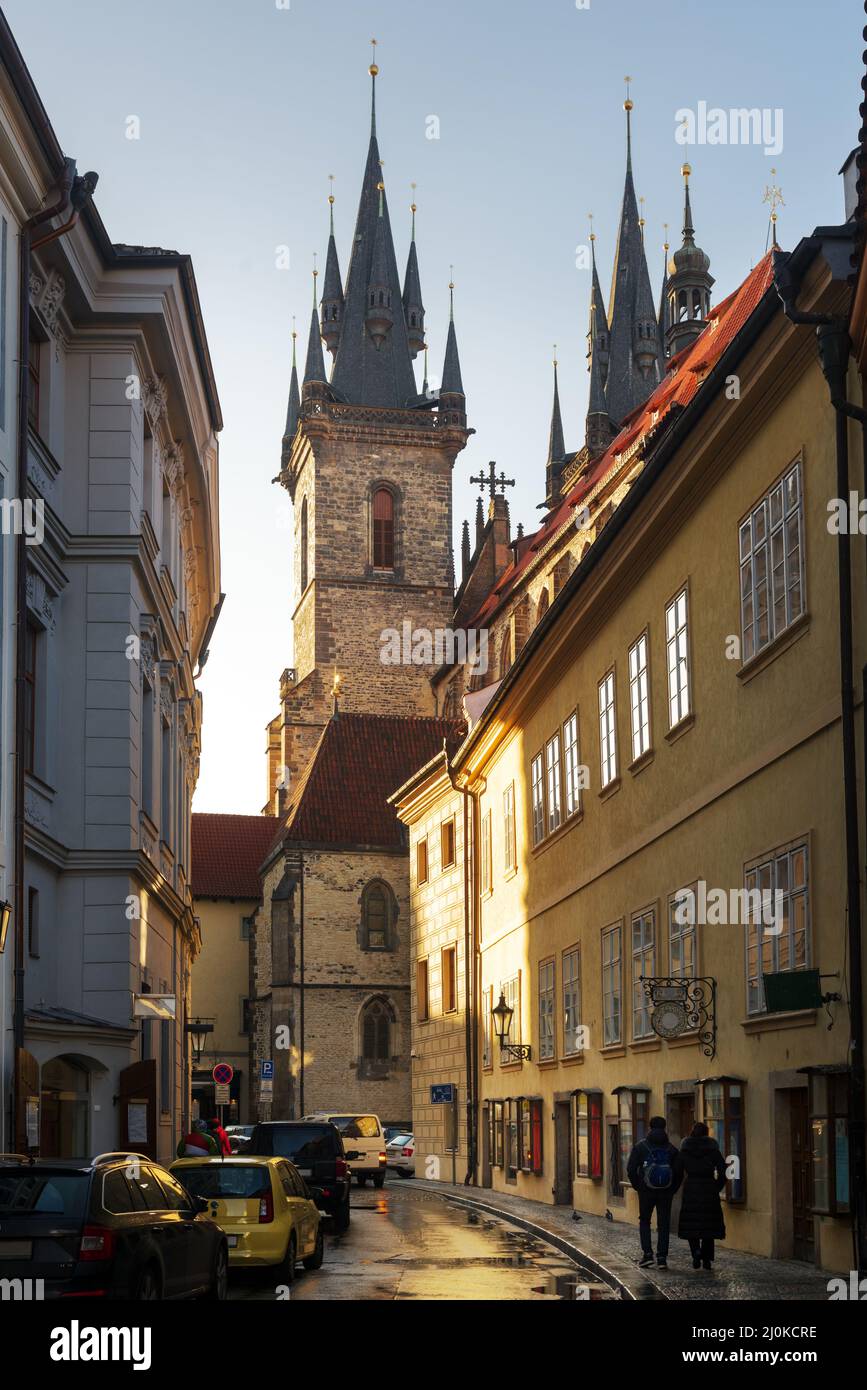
(552, 768)
(538, 791)
(487, 874)
(778, 929)
(546, 1010)
(677, 646)
(571, 968)
(612, 986)
(682, 950)
(607, 729)
(639, 696)
(572, 765)
(643, 964)
(771, 548)
(509, 849)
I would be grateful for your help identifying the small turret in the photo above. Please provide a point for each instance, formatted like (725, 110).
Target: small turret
(452, 396)
(332, 291)
(465, 550)
(689, 283)
(413, 309)
(556, 448)
(294, 408)
(314, 368)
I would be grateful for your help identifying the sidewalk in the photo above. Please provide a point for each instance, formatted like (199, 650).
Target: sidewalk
(610, 1250)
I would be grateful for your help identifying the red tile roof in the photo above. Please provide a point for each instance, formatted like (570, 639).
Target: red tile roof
(226, 854)
(342, 796)
(684, 375)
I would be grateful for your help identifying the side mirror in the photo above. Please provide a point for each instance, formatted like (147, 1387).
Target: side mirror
(201, 1204)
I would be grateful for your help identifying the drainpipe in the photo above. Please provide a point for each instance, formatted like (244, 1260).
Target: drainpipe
(469, 1010)
(74, 192)
(834, 350)
(301, 944)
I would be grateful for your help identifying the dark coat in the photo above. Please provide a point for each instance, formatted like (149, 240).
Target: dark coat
(701, 1213)
(654, 1139)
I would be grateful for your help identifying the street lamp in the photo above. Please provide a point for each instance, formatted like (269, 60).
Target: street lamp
(198, 1032)
(5, 915)
(503, 1016)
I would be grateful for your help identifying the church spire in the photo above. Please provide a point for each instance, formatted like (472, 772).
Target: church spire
(332, 290)
(690, 283)
(556, 447)
(663, 317)
(294, 408)
(598, 429)
(413, 309)
(373, 364)
(633, 368)
(452, 383)
(314, 370)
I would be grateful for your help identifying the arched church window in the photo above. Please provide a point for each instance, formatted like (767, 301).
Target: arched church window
(383, 529)
(375, 1032)
(378, 911)
(304, 545)
(542, 608)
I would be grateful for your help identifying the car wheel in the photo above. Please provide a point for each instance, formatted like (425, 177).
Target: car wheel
(220, 1285)
(147, 1285)
(406, 1172)
(379, 1180)
(314, 1261)
(290, 1260)
(360, 1179)
(341, 1216)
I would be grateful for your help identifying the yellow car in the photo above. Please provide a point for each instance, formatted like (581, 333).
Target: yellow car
(264, 1207)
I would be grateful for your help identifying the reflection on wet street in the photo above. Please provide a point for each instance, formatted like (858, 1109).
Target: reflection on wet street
(403, 1243)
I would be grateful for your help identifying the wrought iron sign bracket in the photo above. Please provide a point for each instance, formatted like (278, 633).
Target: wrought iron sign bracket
(683, 1005)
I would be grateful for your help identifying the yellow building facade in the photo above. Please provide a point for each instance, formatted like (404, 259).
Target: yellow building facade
(669, 741)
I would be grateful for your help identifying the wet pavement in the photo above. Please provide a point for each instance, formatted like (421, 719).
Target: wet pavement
(405, 1243)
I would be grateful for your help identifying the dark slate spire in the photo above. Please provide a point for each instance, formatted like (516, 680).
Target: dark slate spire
(663, 316)
(294, 406)
(451, 383)
(314, 370)
(378, 314)
(365, 374)
(465, 550)
(332, 290)
(690, 283)
(633, 368)
(556, 447)
(597, 333)
(413, 308)
(480, 523)
(598, 428)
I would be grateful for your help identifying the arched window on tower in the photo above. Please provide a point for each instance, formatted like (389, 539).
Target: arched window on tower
(542, 607)
(378, 913)
(375, 1034)
(383, 529)
(304, 545)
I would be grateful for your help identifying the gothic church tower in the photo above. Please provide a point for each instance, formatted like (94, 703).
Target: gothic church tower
(367, 460)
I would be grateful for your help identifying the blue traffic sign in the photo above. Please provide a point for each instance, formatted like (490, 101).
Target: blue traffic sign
(267, 1072)
(443, 1094)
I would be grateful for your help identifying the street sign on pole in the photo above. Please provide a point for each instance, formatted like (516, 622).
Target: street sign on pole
(267, 1071)
(221, 1095)
(223, 1073)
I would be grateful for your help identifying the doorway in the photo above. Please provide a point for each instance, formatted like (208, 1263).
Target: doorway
(65, 1109)
(563, 1153)
(487, 1139)
(803, 1236)
(680, 1116)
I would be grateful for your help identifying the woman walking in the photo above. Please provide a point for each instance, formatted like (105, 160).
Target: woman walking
(701, 1218)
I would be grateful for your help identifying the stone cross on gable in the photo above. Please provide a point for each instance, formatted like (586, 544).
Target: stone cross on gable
(492, 482)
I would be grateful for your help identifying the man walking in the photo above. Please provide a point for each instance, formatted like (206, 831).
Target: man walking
(655, 1170)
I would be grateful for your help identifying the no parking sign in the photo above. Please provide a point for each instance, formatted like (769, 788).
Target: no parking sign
(223, 1073)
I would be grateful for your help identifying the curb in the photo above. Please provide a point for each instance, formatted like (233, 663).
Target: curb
(581, 1258)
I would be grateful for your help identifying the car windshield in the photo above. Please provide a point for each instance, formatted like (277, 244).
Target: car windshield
(225, 1180)
(304, 1144)
(48, 1194)
(400, 1139)
(357, 1126)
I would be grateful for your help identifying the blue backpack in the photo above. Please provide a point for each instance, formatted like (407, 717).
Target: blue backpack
(656, 1170)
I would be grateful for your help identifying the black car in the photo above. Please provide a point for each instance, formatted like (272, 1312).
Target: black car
(316, 1149)
(117, 1226)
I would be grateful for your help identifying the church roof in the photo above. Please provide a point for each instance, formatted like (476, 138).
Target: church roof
(683, 379)
(342, 796)
(226, 853)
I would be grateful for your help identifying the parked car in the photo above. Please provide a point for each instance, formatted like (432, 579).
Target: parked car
(318, 1153)
(243, 1130)
(364, 1143)
(390, 1132)
(400, 1155)
(116, 1226)
(263, 1205)
(239, 1143)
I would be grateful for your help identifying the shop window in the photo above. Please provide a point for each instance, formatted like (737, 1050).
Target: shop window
(724, 1116)
(829, 1123)
(530, 1135)
(588, 1134)
(633, 1105)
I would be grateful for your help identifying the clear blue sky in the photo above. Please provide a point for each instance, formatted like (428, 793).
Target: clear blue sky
(245, 110)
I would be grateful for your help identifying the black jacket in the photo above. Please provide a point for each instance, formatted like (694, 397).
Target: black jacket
(643, 1150)
(701, 1212)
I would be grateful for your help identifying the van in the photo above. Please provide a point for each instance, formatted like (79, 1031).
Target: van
(363, 1142)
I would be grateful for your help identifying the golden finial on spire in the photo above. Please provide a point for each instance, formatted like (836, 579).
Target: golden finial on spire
(336, 683)
(774, 196)
(373, 69)
(555, 354)
(628, 103)
(590, 220)
(666, 243)
(451, 277)
(412, 205)
(641, 220)
(331, 194)
(294, 334)
(315, 271)
(686, 170)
